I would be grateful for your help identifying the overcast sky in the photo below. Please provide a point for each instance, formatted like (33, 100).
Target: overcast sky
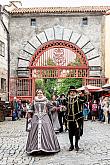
(60, 3)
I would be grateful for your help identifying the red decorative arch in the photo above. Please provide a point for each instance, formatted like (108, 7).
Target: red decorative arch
(28, 84)
(57, 44)
(59, 71)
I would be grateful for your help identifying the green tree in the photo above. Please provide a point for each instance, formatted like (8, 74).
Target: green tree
(66, 83)
(49, 83)
(39, 83)
(50, 62)
(75, 63)
(53, 86)
(49, 86)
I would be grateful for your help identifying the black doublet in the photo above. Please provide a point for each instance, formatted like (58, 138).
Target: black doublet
(75, 116)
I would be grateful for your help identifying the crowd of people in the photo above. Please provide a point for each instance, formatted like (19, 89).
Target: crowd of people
(20, 109)
(46, 118)
(97, 109)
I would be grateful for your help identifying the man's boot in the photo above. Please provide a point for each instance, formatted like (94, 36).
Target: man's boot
(71, 148)
(71, 142)
(76, 144)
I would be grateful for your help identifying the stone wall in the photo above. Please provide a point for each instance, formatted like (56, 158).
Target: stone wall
(3, 59)
(107, 47)
(53, 26)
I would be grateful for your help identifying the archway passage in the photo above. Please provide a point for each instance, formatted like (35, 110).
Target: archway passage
(53, 59)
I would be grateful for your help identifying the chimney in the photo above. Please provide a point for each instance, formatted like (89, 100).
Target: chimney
(17, 4)
(12, 5)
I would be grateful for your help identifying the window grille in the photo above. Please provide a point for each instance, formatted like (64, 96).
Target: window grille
(33, 22)
(3, 84)
(2, 49)
(85, 21)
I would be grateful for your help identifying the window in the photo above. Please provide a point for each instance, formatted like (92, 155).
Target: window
(3, 84)
(84, 21)
(33, 22)
(2, 49)
(95, 68)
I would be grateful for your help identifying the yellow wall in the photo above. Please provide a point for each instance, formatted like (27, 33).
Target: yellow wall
(107, 46)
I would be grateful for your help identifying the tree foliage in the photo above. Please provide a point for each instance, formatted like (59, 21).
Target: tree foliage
(50, 62)
(49, 86)
(75, 63)
(39, 84)
(66, 83)
(54, 86)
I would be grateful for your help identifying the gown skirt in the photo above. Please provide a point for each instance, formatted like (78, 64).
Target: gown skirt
(42, 136)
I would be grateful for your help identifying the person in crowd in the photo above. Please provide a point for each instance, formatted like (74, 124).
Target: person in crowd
(14, 118)
(100, 109)
(62, 112)
(94, 110)
(20, 109)
(55, 119)
(74, 117)
(109, 112)
(28, 116)
(105, 105)
(90, 101)
(15, 107)
(24, 111)
(41, 137)
(83, 97)
(86, 110)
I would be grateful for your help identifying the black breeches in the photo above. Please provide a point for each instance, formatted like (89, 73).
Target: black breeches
(71, 138)
(74, 131)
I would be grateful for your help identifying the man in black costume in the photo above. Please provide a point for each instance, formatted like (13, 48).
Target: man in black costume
(74, 117)
(61, 114)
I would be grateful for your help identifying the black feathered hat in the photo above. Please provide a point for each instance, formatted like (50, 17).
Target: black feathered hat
(72, 88)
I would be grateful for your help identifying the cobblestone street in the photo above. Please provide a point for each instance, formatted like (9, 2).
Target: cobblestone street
(94, 146)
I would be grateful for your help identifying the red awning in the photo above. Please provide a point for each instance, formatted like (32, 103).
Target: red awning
(90, 88)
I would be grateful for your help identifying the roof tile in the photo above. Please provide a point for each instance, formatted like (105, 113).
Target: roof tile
(60, 9)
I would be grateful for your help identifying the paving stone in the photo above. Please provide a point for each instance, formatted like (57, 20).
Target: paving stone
(94, 146)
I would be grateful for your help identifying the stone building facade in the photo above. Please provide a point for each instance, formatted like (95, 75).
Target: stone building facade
(4, 21)
(83, 26)
(107, 45)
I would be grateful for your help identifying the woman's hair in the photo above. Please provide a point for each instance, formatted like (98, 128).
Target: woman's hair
(39, 90)
(54, 95)
(62, 95)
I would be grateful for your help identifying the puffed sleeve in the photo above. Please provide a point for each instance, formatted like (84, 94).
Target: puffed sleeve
(50, 108)
(30, 110)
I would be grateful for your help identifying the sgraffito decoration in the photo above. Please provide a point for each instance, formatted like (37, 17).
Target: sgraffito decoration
(58, 56)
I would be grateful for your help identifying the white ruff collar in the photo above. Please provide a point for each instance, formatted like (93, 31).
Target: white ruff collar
(40, 99)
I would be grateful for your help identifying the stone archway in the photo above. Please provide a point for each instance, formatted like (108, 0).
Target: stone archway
(56, 59)
(48, 40)
(93, 56)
